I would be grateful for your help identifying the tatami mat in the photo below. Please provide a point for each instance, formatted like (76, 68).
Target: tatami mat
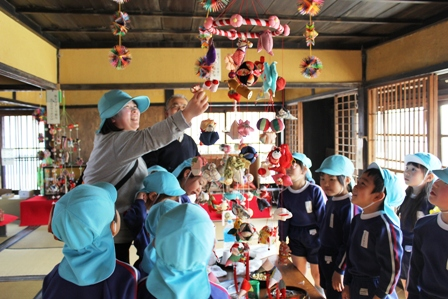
(40, 238)
(11, 229)
(16, 262)
(20, 289)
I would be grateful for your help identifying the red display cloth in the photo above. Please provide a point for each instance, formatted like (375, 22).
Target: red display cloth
(252, 205)
(7, 218)
(35, 211)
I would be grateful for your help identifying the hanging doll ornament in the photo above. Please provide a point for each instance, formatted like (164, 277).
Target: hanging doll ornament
(268, 137)
(233, 61)
(284, 113)
(208, 134)
(210, 173)
(204, 65)
(120, 57)
(267, 235)
(244, 128)
(311, 67)
(39, 114)
(246, 231)
(310, 7)
(204, 36)
(270, 77)
(120, 23)
(310, 34)
(241, 89)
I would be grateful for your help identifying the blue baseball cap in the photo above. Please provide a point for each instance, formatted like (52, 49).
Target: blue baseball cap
(307, 162)
(442, 174)
(156, 168)
(113, 101)
(337, 165)
(395, 192)
(428, 160)
(187, 163)
(82, 219)
(302, 157)
(76, 218)
(162, 182)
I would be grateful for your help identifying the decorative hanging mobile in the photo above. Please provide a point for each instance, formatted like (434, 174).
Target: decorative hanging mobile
(311, 65)
(119, 56)
(236, 21)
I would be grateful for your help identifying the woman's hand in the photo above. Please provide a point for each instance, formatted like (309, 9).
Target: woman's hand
(196, 106)
(337, 282)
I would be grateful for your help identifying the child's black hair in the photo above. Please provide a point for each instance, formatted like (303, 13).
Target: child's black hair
(298, 162)
(409, 208)
(341, 180)
(181, 174)
(378, 180)
(109, 127)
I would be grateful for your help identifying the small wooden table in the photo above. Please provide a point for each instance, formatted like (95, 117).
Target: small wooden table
(7, 218)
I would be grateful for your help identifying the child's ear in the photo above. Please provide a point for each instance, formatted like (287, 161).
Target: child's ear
(115, 224)
(152, 196)
(430, 177)
(379, 196)
(347, 180)
(187, 173)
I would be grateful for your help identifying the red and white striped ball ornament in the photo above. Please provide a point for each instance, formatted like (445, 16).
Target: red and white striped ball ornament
(277, 125)
(263, 124)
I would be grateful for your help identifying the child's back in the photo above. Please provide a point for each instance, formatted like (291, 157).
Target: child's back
(428, 273)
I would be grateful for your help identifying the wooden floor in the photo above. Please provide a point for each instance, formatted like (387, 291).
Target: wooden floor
(27, 254)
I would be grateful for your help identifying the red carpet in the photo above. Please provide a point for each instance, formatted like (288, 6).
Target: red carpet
(35, 211)
(252, 205)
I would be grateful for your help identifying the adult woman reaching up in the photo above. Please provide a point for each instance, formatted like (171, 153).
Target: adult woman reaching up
(118, 146)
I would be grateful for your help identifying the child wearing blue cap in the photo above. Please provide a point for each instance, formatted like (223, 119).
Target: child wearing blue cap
(158, 186)
(151, 223)
(306, 202)
(183, 237)
(190, 178)
(418, 177)
(374, 251)
(335, 179)
(428, 272)
(85, 219)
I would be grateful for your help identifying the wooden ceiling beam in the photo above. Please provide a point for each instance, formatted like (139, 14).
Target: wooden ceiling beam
(284, 19)
(103, 30)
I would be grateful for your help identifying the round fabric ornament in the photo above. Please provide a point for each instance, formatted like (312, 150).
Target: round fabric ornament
(120, 57)
(249, 153)
(214, 5)
(311, 67)
(263, 124)
(277, 125)
(120, 23)
(310, 7)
